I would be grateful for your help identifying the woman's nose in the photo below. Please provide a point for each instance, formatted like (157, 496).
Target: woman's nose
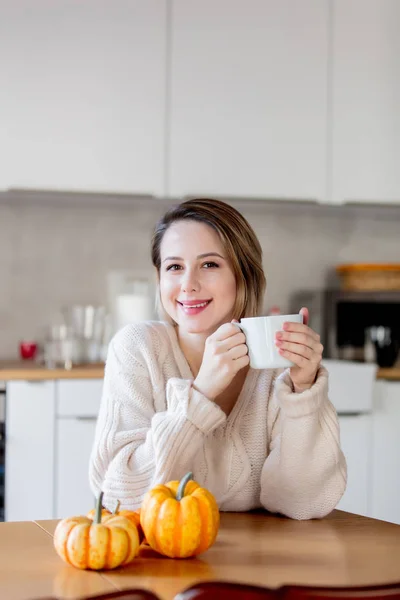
(190, 282)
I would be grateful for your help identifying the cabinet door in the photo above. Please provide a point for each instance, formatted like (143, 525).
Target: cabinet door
(366, 100)
(78, 397)
(78, 403)
(386, 453)
(82, 105)
(74, 444)
(248, 98)
(29, 474)
(355, 439)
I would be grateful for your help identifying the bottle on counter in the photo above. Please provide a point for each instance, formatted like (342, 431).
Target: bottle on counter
(369, 346)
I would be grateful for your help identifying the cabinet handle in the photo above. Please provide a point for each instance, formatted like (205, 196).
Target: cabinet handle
(86, 418)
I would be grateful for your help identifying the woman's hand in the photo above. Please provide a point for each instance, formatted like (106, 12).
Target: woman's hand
(225, 353)
(300, 344)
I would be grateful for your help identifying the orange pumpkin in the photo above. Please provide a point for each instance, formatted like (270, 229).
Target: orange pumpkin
(102, 543)
(180, 519)
(92, 513)
(131, 515)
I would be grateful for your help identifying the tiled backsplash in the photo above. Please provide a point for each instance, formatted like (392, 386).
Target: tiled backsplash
(53, 255)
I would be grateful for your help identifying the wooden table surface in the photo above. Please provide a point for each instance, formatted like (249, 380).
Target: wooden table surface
(257, 548)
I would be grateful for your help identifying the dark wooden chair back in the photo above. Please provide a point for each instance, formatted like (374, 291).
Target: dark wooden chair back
(235, 591)
(221, 590)
(378, 592)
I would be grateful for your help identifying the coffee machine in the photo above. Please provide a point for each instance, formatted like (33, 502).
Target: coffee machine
(355, 325)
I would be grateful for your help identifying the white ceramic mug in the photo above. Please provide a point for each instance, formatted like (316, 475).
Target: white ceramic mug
(260, 339)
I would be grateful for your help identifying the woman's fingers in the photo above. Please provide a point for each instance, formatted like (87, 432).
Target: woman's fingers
(291, 327)
(297, 359)
(305, 339)
(225, 331)
(234, 340)
(238, 351)
(301, 350)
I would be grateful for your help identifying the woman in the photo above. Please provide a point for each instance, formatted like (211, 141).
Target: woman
(179, 394)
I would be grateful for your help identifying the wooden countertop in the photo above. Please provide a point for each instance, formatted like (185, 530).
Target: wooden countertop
(393, 374)
(27, 370)
(256, 548)
(31, 371)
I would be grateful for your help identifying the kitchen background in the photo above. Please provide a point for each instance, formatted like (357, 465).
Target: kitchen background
(112, 111)
(60, 254)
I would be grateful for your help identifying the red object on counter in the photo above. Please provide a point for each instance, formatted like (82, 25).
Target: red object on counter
(28, 350)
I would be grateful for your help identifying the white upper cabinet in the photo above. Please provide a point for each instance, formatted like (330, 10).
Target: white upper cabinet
(82, 99)
(248, 98)
(366, 101)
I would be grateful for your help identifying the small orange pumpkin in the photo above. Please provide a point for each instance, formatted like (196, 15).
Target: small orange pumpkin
(102, 543)
(131, 515)
(92, 513)
(180, 519)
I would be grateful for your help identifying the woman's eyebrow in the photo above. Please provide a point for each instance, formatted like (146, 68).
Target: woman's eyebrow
(199, 256)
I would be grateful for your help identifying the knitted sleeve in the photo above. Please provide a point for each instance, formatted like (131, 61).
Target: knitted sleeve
(136, 446)
(304, 475)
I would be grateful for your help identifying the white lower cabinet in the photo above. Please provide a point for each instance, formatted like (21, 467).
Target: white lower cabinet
(74, 443)
(78, 403)
(355, 440)
(371, 444)
(50, 430)
(385, 485)
(29, 469)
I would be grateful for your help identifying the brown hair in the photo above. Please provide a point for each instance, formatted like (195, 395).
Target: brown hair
(240, 243)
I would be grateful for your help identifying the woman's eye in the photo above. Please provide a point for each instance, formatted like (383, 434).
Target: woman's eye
(207, 265)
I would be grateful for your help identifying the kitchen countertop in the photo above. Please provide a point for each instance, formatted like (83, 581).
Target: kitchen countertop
(31, 371)
(254, 548)
(27, 370)
(392, 373)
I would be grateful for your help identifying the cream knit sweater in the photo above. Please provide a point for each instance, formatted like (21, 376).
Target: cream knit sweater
(276, 449)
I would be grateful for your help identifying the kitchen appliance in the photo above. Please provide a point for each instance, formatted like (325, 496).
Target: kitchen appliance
(131, 298)
(344, 319)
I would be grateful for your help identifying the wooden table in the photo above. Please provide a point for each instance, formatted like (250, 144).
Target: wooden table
(257, 548)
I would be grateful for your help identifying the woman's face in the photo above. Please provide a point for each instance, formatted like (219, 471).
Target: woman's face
(197, 283)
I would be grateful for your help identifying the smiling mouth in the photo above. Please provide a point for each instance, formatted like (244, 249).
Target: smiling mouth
(198, 305)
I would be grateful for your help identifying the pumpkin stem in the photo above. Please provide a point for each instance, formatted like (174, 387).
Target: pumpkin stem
(99, 506)
(116, 509)
(181, 489)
